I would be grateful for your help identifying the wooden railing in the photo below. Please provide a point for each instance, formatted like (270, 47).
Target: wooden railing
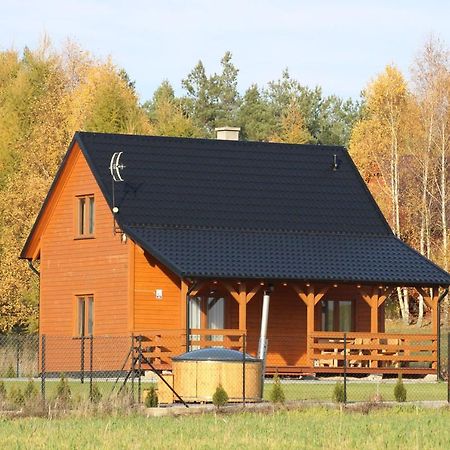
(160, 346)
(231, 339)
(375, 352)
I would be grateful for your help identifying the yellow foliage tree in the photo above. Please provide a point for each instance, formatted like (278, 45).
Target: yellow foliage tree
(382, 146)
(46, 97)
(293, 129)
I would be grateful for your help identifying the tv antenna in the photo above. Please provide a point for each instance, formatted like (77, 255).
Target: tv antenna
(115, 168)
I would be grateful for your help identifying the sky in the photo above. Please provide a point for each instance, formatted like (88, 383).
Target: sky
(339, 45)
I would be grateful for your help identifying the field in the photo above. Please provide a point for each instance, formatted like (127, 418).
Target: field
(396, 428)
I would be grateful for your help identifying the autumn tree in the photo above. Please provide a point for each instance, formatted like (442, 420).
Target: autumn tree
(292, 128)
(379, 144)
(49, 96)
(166, 114)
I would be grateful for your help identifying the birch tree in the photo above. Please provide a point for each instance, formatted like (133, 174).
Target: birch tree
(379, 141)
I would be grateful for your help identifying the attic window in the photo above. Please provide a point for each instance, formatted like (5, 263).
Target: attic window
(85, 216)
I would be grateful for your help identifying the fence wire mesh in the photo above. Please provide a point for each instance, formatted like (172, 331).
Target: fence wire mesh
(144, 368)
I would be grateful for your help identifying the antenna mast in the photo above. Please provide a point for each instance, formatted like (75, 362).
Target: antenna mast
(115, 168)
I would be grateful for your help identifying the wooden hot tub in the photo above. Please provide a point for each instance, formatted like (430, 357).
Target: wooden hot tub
(197, 374)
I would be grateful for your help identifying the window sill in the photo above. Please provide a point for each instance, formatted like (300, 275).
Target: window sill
(82, 238)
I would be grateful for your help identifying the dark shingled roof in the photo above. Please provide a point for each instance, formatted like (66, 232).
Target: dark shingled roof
(210, 208)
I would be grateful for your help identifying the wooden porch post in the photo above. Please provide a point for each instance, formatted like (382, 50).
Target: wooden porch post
(375, 300)
(432, 302)
(242, 297)
(184, 325)
(242, 307)
(310, 299)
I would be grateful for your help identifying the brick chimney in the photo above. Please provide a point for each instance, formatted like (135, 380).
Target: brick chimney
(228, 133)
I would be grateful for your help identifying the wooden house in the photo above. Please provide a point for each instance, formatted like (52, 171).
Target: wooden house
(203, 235)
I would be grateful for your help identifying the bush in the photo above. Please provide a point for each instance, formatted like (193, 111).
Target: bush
(31, 390)
(3, 394)
(277, 393)
(338, 393)
(151, 399)
(220, 397)
(96, 395)
(63, 392)
(400, 390)
(16, 396)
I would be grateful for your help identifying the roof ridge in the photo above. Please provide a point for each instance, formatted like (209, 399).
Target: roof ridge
(208, 141)
(256, 230)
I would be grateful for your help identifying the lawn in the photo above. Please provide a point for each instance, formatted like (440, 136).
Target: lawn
(294, 389)
(397, 428)
(360, 391)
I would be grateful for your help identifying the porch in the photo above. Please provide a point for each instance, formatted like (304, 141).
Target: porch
(309, 324)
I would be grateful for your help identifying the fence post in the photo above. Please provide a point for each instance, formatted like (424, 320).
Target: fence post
(132, 367)
(17, 356)
(243, 367)
(43, 368)
(345, 368)
(448, 368)
(91, 364)
(438, 365)
(139, 366)
(82, 359)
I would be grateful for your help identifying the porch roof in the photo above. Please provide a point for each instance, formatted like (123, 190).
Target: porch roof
(219, 253)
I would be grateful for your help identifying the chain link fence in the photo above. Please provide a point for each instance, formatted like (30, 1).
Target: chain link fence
(147, 368)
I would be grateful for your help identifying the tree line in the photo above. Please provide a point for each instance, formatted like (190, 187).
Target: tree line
(397, 132)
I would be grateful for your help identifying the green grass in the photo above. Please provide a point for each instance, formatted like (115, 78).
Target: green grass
(79, 391)
(397, 428)
(294, 390)
(360, 391)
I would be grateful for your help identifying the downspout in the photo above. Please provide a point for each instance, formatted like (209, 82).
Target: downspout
(438, 365)
(188, 315)
(36, 272)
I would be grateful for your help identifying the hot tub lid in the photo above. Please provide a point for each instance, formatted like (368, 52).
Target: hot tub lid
(214, 354)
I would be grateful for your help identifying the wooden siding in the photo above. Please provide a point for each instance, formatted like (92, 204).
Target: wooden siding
(151, 313)
(286, 332)
(71, 267)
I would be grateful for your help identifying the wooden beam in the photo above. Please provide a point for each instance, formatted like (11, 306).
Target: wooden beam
(372, 299)
(183, 306)
(422, 292)
(197, 289)
(242, 307)
(382, 298)
(253, 292)
(231, 290)
(303, 293)
(321, 294)
(204, 313)
(432, 303)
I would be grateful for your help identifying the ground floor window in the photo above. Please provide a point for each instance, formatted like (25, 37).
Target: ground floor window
(337, 315)
(85, 315)
(213, 309)
(206, 312)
